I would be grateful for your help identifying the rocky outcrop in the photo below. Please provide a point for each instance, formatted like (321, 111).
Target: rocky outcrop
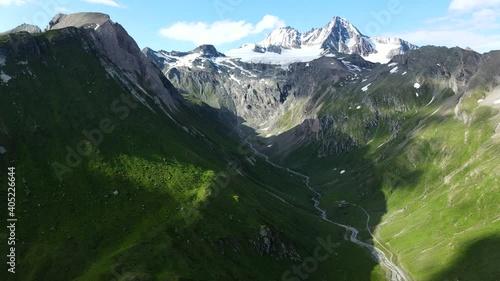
(270, 242)
(32, 29)
(85, 20)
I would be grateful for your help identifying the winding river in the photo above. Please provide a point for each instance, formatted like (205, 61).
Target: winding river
(394, 273)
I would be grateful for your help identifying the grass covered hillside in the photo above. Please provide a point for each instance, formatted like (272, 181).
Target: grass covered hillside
(425, 162)
(110, 188)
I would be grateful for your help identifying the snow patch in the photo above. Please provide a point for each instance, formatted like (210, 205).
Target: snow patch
(497, 101)
(392, 64)
(394, 70)
(350, 66)
(246, 53)
(174, 61)
(365, 88)
(430, 101)
(234, 78)
(416, 86)
(404, 73)
(4, 77)
(2, 150)
(358, 107)
(383, 51)
(226, 62)
(480, 100)
(341, 172)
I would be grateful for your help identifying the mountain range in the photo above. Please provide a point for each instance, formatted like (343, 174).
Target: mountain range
(286, 45)
(324, 155)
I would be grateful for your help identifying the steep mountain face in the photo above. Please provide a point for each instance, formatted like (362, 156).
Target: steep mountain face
(260, 93)
(338, 36)
(122, 51)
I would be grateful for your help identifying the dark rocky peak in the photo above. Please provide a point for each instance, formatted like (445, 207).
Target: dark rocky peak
(208, 51)
(344, 23)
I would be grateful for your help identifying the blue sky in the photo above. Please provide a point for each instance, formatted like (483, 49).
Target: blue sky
(182, 25)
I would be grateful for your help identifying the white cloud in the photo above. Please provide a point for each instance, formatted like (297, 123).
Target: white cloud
(471, 24)
(62, 10)
(470, 5)
(11, 2)
(104, 2)
(268, 22)
(485, 16)
(218, 32)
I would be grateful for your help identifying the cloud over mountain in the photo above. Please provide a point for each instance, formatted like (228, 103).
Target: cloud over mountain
(218, 32)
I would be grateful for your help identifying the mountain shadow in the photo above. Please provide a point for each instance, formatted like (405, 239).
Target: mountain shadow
(478, 261)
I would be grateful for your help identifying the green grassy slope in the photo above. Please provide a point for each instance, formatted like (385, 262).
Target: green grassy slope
(428, 179)
(148, 201)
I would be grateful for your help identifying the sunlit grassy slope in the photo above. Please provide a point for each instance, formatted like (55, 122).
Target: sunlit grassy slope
(428, 179)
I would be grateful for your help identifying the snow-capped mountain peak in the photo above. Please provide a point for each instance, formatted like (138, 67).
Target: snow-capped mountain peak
(337, 36)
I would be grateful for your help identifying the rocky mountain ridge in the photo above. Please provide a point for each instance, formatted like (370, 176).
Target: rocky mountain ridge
(272, 99)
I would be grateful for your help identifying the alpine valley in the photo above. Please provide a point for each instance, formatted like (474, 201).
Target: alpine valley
(323, 155)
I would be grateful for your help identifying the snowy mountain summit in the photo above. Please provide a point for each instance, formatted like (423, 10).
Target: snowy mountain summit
(287, 44)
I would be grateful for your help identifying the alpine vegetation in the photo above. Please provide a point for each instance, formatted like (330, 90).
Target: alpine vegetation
(328, 154)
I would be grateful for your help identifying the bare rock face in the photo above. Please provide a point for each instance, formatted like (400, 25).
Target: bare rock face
(87, 20)
(121, 49)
